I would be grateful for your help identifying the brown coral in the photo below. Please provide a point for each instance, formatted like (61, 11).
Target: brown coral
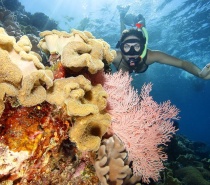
(23, 69)
(8, 71)
(111, 165)
(78, 95)
(77, 55)
(88, 131)
(8, 89)
(40, 124)
(32, 93)
(78, 49)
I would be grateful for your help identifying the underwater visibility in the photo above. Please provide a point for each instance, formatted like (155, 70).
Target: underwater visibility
(84, 99)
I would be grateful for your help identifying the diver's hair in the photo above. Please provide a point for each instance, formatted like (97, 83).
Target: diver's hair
(134, 32)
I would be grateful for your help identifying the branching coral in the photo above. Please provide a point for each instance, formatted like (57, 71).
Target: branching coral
(111, 164)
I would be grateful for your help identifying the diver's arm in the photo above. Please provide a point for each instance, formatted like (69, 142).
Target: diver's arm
(122, 25)
(160, 57)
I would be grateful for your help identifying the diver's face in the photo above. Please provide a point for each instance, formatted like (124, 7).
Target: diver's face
(130, 47)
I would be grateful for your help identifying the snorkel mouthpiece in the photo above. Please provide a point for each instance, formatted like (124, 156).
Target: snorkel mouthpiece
(133, 62)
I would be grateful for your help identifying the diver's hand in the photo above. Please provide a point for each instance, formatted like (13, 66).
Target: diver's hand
(205, 72)
(123, 10)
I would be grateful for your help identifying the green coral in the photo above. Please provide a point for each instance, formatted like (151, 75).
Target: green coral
(191, 176)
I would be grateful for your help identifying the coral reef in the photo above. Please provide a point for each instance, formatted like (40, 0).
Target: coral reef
(41, 112)
(42, 22)
(29, 137)
(186, 162)
(54, 118)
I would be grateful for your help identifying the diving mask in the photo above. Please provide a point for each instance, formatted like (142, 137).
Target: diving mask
(131, 47)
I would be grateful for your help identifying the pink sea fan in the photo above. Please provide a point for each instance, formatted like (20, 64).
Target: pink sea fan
(142, 124)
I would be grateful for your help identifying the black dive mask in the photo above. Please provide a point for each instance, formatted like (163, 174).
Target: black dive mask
(131, 50)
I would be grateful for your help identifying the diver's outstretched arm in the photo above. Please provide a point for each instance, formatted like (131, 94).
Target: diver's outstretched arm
(160, 57)
(122, 10)
(122, 25)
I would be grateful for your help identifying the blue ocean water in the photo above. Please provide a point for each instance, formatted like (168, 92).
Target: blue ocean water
(179, 28)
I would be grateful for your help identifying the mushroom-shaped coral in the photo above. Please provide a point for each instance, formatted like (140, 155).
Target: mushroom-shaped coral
(8, 71)
(78, 95)
(6, 89)
(23, 69)
(88, 131)
(77, 49)
(32, 93)
(76, 55)
(54, 41)
(6, 41)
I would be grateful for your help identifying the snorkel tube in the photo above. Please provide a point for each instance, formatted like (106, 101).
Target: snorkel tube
(145, 33)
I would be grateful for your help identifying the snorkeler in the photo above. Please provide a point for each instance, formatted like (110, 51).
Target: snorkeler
(134, 56)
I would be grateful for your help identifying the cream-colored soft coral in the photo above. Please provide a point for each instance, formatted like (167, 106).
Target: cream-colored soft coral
(32, 92)
(8, 89)
(19, 53)
(23, 49)
(6, 41)
(78, 96)
(78, 49)
(23, 69)
(8, 71)
(90, 54)
(88, 131)
(54, 41)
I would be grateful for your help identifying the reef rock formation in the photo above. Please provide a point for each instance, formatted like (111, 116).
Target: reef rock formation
(42, 110)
